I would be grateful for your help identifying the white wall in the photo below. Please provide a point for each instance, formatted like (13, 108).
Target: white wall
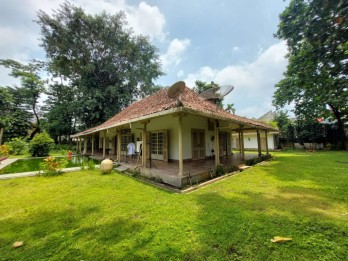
(171, 124)
(250, 140)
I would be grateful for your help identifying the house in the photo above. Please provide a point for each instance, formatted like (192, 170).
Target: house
(250, 137)
(186, 135)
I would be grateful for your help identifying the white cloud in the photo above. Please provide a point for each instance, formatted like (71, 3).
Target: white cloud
(254, 82)
(180, 73)
(143, 18)
(175, 52)
(235, 48)
(147, 20)
(20, 35)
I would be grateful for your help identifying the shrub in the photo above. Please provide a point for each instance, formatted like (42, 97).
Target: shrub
(219, 170)
(17, 146)
(52, 167)
(256, 160)
(40, 145)
(62, 148)
(88, 165)
(230, 169)
(4, 151)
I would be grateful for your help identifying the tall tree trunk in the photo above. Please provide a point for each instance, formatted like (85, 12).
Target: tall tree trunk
(1, 133)
(340, 126)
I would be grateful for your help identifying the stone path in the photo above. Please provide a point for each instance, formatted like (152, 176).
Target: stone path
(6, 162)
(32, 173)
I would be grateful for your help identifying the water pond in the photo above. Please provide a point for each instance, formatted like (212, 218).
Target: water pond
(33, 164)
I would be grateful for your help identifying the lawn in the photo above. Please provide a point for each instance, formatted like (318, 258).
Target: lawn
(88, 216)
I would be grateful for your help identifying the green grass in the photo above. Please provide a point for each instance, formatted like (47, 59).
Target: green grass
(88, 216)
(33, 164)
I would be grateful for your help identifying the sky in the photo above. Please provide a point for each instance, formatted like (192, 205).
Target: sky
(229, 42)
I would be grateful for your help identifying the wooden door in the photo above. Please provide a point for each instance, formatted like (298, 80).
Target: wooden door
(198, 144)
(263, 143)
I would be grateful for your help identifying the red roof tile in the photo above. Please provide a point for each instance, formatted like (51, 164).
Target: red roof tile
(159, 102)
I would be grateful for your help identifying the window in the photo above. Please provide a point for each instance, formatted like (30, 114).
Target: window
(125, 139)
(157, 142)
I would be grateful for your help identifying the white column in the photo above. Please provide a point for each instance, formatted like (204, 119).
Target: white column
(92, 153)
(80, 145)
(119, 146)
(181, 158)
(216, 145)
(242, 143)
(84, 145)
(267, 152)
(144, 146)
(258, 142)
(104, 144)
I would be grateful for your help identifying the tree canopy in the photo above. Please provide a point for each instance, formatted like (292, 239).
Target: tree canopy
(316, 79)
(32, 86)
(103, 65)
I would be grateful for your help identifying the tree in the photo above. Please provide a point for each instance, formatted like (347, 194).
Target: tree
(230, 108)
(60, 111)
(31, 86)
(106, 65)
(285, 126)
(14, 121)
(40, 145)
(316, 78)
(201, 86)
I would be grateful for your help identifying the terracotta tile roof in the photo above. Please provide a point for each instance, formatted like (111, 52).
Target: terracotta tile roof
(159, 102)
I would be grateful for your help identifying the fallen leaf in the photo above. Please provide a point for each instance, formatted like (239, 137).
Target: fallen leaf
(278, 239)
(17, 244)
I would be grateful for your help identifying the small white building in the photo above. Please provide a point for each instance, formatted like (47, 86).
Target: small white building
(250, 137)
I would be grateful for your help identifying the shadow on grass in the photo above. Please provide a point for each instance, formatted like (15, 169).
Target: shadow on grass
(240, 228)
(62, 235)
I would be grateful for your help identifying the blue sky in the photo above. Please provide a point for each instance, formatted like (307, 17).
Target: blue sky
(225, 41)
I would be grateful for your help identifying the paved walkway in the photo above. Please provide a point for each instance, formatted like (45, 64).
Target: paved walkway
(32, 173)
(6, 162)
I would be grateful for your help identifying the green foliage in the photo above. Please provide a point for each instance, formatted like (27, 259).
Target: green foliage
(13, 118)
(17, 146)
(40, 145)
(201, 86)
(219, 170)
(256, 160)
(52, 167)
(230, 108)
(88, 165)
(108, 67)
(285, 126)
(31, 85)
(316, 78)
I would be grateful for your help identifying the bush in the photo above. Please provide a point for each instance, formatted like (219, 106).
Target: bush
(17, 146)
(219, 170)
(52, 167)
(88, 165)
(256, 160)
(4, 151)
(230, 169)
(40, 145)
(62, 148)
